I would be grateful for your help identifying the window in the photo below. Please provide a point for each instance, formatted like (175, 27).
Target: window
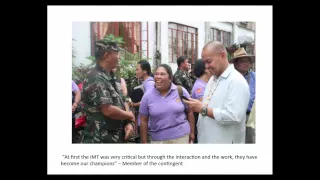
(221, 36)
(183, 41)
(134, 35)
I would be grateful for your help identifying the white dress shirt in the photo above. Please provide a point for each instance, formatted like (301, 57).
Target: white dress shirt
(229, 102)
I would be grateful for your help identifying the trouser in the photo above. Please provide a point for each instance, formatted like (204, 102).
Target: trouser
(96, 132)
(181, 140)
(250, 133)
(149, 136)
(196, 115)
(74, 132)
(106, 136)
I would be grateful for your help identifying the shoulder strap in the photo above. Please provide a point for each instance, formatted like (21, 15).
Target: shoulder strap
(140, 86)
(181, 94)
(180, 91)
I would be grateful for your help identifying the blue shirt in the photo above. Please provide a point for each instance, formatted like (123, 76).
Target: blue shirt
(252, 86)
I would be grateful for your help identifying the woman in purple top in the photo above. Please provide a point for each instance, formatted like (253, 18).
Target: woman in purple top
(203, 75)
(76, 98)
(169, 124)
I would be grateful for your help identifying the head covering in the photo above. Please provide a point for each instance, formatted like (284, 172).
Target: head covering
(108, 46)
(242, 53)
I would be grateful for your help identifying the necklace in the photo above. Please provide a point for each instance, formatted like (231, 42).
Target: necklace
(211, 91)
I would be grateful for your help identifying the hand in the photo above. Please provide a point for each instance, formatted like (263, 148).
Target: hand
(136, 130)
(132, 118)
(130, 104)
(194, 104)
(191, 138)
(128, 129)
(73, 108)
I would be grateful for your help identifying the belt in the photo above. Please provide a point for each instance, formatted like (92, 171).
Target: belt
(248, 112)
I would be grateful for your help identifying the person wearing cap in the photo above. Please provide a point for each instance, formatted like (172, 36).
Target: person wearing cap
(104, 103)
(182, 76)
(242, 63)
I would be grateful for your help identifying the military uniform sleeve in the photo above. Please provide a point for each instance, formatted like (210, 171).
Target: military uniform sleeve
(177, 80)
(98, 92)
(188, 84)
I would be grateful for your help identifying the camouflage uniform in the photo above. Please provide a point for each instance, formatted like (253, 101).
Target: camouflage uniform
(101, 87)
(183, 78)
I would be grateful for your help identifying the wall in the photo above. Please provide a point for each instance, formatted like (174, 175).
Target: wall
(242, 32)
(224, 26)
(164, 43)
(81, 34)
(152, 42)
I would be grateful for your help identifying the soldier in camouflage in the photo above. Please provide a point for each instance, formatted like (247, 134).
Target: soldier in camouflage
(104, 103)
(192, 76)
(182, 76)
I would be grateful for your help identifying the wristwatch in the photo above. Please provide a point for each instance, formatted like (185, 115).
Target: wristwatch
(204, 110)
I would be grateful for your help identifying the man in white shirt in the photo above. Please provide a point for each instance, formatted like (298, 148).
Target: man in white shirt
(222, 112)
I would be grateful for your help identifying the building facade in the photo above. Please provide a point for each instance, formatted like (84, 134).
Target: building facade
(163, 42)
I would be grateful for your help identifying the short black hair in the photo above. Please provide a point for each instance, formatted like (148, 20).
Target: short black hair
(167, 68)
(145, 66)
(199, 68)
(181, 59)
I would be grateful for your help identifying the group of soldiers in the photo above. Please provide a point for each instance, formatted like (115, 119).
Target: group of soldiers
(109, 120)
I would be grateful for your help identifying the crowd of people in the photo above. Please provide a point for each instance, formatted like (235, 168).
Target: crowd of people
(212, 103)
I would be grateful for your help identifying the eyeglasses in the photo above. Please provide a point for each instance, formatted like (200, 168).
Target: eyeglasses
(244, 62)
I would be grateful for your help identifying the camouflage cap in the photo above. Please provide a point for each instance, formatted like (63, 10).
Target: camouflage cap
(108, 46)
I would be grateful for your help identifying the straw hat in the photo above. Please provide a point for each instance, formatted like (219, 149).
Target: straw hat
(242, 53)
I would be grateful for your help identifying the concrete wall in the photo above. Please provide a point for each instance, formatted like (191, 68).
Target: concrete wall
(224, 26)
(151, 41)
(244, 34)
(82, 43)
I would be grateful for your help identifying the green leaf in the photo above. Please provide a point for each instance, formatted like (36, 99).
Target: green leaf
(111, 36)
(92, 58)
(119, 39)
